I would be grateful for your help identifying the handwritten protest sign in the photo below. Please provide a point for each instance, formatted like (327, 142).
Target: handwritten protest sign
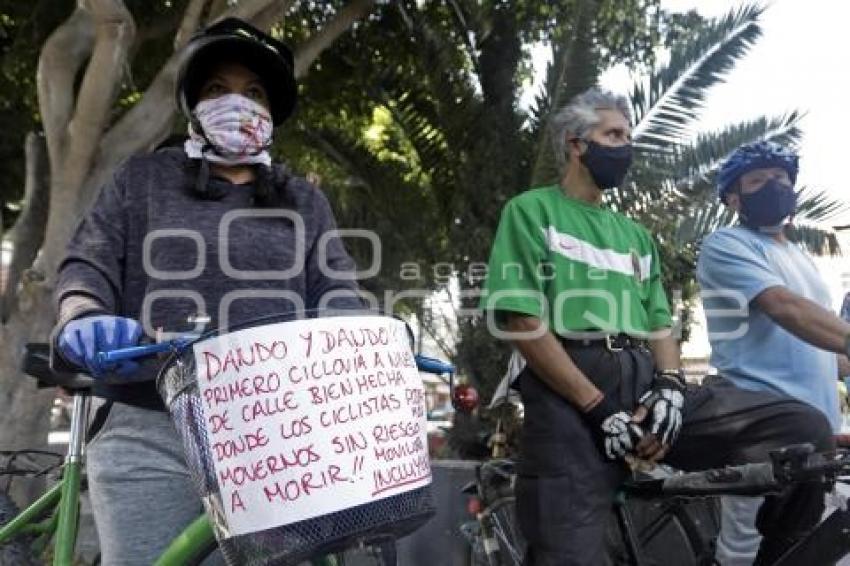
(312, 416)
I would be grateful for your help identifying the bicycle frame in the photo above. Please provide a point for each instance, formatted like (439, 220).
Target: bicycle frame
(197, 537)
(61, 504)
(827, 543)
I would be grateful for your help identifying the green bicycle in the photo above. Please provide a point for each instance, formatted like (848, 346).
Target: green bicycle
(50, 524)
(52, 520)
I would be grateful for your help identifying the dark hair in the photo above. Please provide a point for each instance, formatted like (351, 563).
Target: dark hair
(271, 185)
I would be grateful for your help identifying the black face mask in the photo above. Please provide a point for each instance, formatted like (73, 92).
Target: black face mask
(607, 165)
(768, 206)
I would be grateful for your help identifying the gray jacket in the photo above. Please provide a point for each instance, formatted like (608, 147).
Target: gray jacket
(152, 249)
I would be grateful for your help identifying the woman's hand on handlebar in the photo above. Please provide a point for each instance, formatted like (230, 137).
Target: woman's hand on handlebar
(82, 339)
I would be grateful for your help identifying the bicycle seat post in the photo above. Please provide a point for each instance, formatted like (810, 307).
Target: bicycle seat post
(79, 420)
(69, 506)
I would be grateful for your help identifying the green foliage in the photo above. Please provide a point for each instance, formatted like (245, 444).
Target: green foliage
(24, 26)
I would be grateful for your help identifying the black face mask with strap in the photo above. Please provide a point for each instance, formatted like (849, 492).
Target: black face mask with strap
(607, 165)
(768, 206)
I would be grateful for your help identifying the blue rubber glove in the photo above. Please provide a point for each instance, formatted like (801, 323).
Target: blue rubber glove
(82, 339)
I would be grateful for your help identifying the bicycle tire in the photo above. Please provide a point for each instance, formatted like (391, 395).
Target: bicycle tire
(17, 551)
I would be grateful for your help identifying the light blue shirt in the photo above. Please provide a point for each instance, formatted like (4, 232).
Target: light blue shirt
(747, 346)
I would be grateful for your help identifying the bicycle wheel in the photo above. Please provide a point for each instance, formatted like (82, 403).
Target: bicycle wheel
(504, 526)
(17, 551)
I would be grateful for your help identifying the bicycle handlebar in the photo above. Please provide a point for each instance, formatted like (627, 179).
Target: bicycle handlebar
(134, 352)
(748, 479)
(423, 363)
(433, 365)
(792, 464)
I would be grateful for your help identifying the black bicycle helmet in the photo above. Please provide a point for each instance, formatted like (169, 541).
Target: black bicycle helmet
(233, 40)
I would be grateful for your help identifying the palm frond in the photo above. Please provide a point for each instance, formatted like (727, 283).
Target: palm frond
(701, 158)
(701, 221)
(667, 102)
(816, 240)
(817, 206)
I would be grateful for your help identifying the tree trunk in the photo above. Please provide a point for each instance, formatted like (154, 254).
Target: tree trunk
(25, 417)
(27, 236)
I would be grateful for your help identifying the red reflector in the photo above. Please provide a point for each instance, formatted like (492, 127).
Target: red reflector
(473, 506)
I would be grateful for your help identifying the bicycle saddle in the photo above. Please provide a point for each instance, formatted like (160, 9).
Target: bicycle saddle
(36, 363)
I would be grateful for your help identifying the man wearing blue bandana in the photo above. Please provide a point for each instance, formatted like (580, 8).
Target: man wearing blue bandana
(769, 314)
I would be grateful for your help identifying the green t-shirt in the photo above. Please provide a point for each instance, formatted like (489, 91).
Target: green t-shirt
(577, 266)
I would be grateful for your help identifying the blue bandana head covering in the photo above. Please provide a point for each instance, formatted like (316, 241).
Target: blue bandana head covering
(759, 155)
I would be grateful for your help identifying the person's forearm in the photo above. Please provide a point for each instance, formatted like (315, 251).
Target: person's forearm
(665, 352)
(809, 321)
(75, 305)
(552, 364)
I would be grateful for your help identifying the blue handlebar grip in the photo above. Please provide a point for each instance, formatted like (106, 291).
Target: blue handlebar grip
(133, 352)
(433, 365)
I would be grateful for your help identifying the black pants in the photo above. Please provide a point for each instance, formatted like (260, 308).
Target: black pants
(565, 488)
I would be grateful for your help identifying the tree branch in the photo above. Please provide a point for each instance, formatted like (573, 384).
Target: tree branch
(247, 11)
(321, 40)
(190, 24)
(115, 30)
(27, 234)
(272, 15)
(217, 7)
(62, 56)
(441, 344)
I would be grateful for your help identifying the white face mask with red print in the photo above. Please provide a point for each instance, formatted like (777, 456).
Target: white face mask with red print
(238, 130)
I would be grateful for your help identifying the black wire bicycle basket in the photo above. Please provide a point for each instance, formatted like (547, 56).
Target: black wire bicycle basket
(376, 521)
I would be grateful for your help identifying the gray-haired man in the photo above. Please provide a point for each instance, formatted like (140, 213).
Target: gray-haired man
(579, 285)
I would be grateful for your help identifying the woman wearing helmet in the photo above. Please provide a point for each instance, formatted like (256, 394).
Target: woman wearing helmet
(212, 228)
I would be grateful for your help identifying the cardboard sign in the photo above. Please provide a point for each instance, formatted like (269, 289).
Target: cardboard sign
(310, 417)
